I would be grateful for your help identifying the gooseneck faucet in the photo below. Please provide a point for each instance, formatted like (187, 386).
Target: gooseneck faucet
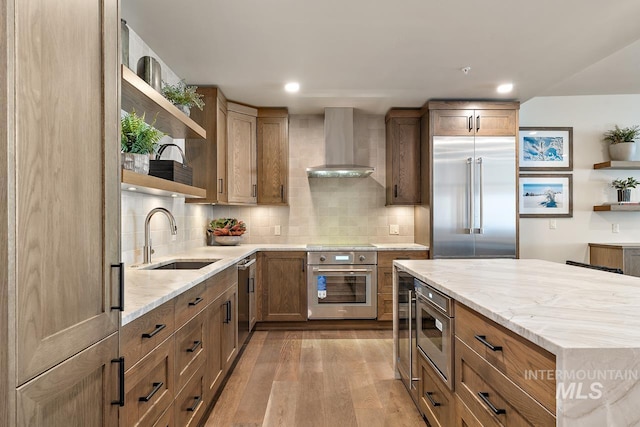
(147, 234)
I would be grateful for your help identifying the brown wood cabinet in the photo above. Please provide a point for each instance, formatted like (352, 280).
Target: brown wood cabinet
(625, 256)
(460, 118)
(242, 154)
(385, 279)
(403, 165)
(190, 404)
(435, 400)
(273, 156)
(283, 286)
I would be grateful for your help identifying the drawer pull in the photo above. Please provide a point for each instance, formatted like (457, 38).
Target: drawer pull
(485, 399)
(428, 394)
(483, 340)
(196, 344)
(196, 403)
(196, 301)
(154, 332)
(156, 388)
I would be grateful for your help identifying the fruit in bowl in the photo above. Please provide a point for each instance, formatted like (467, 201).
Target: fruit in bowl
(225, 231)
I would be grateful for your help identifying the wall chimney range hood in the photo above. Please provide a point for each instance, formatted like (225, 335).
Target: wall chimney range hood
(339, 147)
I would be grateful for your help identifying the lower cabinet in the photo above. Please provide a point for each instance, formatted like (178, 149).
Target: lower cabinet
(190, 404)
(283, 286)
(385, 279)
(435, 400)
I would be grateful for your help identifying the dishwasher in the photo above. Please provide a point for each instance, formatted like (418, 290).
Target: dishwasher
(246, 297)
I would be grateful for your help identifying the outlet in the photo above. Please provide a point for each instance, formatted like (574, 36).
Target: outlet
(276, 230)
(615, 228)
(394, 229)
(553, 224)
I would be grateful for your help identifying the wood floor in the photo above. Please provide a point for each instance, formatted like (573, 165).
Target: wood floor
(315, 379)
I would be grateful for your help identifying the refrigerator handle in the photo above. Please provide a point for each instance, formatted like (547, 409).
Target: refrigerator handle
(470, 210)
(480, 230)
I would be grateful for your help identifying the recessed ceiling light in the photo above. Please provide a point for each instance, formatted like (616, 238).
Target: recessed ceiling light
(505, 88)
(292, 87)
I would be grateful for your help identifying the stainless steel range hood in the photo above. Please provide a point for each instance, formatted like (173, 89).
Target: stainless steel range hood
(339, 147)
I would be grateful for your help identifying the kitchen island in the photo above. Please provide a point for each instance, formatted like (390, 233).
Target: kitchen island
(589, 320)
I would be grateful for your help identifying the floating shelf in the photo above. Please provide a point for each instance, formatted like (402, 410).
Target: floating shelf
(615, 164)
(138, 95)
(620, 208)
(158, 187)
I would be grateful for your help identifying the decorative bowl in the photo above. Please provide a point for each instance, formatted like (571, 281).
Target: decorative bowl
(227, 240)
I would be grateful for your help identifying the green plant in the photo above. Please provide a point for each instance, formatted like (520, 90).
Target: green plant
(136, 136)
(227, 227)
(623, 184)
(617, 135)
(181, 94)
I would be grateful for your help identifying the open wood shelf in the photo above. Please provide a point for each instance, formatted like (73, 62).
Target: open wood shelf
(158, 187)
(620, 208)
(138, 95)
(615, 164)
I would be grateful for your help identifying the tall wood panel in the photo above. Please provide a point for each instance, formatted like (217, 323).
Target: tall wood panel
(273, 156)
(403, 157)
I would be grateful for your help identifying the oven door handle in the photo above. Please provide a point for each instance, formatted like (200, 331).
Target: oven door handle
(339, 270)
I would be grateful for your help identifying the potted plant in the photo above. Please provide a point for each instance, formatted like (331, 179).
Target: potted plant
(138, 141)
(225, 231)
(622, 142)
(183, 96)
(624, 187)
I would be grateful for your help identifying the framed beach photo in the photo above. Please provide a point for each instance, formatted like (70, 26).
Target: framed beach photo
(546, 149)
(546, 196)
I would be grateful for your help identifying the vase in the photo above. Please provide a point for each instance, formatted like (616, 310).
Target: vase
(138, 163)
(227, 240)
(624, 195)
(186, 110)
(149, 70)
(623, 151)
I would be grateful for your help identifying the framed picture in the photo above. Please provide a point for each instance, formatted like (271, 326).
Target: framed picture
(546, 196)
(546, 149)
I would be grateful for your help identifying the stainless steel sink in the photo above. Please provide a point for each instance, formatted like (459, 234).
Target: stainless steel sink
(183, 265)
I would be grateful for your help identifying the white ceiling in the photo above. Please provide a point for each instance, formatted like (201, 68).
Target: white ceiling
(374, 54)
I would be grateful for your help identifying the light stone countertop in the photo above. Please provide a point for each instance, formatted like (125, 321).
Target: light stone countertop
(148, 289)
(589, 319)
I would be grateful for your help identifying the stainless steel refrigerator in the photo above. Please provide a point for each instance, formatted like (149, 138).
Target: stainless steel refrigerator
(474, 197)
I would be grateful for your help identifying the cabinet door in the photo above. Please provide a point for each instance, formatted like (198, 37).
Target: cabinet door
(67, 174)
(229, 344)
(215, 315)
(452, 122)
(273, 160)
(221, 149)
(76, 393)
(495, 122)
(241, 158)
(403, 161)
(284, 286)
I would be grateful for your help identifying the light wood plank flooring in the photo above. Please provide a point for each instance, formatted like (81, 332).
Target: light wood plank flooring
(315, 379)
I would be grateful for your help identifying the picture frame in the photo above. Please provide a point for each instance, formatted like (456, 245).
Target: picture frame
(545, 195)
(545, 149)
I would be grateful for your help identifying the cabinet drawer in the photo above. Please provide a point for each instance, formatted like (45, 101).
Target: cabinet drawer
(190, 349)
(219, 283)
(167, 419)
(385, 258)
(142, 335)
(385, 306)
(149, 386)
(492, 398)
(190, 303)
(189, 405)
(463, 416)
(517, 356)
(436, 401)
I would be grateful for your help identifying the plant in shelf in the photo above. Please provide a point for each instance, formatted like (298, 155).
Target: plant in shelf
(622, 142)
(225, 231)
(138, 141)
(182, 96)
(624, 187)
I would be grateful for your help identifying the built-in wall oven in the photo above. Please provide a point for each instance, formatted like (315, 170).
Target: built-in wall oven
(435, 326)
(342, 285)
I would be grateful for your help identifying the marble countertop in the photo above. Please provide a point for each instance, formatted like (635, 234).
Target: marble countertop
(147, 289)
(616, 245)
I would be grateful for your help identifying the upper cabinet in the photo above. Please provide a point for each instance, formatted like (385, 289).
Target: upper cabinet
(403, 157)
(242, 154)
(273, 156)
(456, 118)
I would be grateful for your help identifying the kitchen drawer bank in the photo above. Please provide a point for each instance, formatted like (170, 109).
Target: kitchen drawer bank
(539, 313)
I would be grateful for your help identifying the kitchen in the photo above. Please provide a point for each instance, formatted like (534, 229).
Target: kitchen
(310, 218)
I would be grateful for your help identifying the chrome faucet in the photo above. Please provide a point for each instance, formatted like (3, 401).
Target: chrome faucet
(147, 234)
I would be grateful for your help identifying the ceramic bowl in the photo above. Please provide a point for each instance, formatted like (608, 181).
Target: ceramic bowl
(227, 240)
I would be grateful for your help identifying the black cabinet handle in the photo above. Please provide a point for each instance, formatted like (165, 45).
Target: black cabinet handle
(253, 285)
(154, 332)
(196, 301)
(196, 402)
(282, 192)
(196, 344)
(477, 123)
(395, 191)
(302, 265)
(428, 394)
(470, 124)
(156, 388)
(121, 391)
(254, 192)
(227, 316)
(483, 340)
(120, 305)
(485, 399)
(221, 186)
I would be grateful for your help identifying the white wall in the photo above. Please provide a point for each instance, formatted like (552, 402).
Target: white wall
(590, 117)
